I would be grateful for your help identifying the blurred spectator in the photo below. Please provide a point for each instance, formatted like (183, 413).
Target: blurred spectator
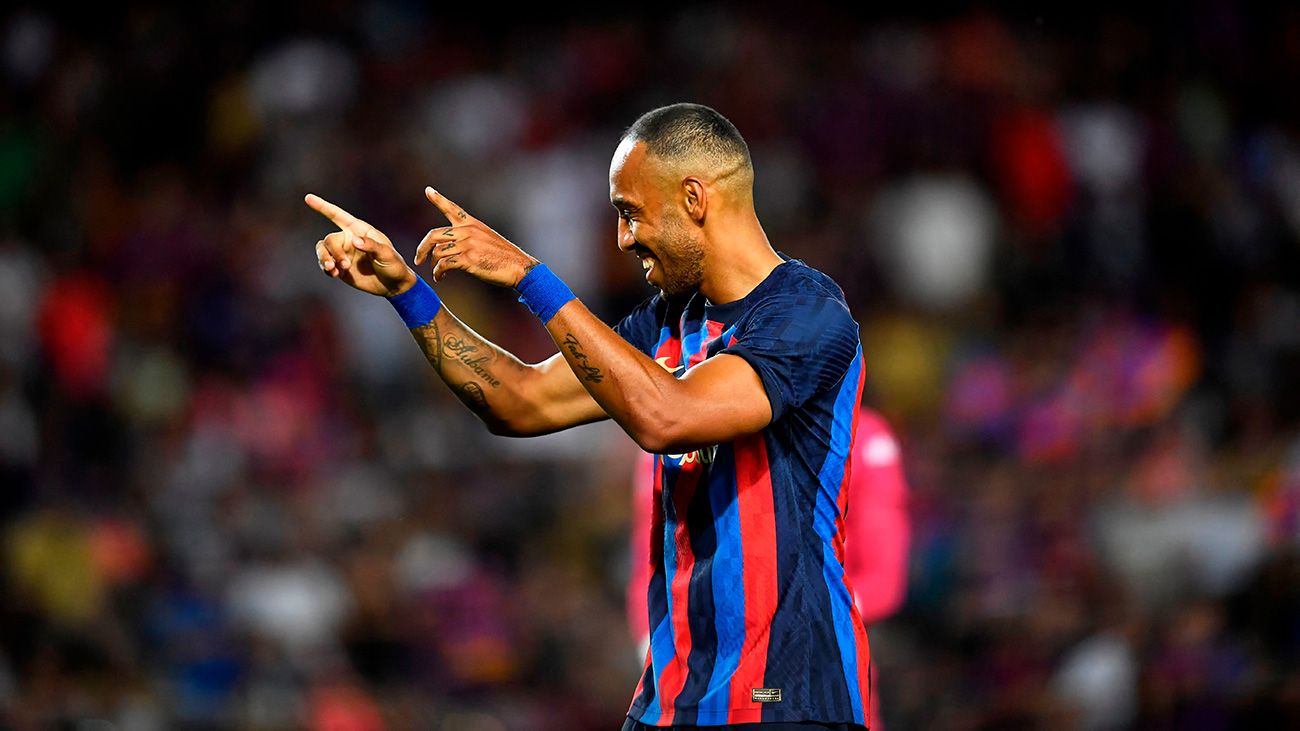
(936, 237)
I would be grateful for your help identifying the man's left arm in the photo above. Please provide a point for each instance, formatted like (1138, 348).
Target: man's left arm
(786, 350)
(716, 401)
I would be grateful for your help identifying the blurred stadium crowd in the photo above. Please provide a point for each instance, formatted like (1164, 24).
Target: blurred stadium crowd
(233, 496)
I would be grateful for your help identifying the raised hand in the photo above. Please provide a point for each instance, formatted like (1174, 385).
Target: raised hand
(359, 254)
(470, 245)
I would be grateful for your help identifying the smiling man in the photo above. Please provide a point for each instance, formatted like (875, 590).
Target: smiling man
(742, 374)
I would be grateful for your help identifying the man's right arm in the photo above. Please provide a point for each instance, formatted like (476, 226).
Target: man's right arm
(513, 398)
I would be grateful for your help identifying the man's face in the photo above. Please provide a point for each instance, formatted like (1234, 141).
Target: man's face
(652, 223)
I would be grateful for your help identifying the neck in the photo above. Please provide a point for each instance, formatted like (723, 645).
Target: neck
(740, 257)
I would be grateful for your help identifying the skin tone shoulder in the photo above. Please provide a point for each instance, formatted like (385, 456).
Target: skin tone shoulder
(692, 226)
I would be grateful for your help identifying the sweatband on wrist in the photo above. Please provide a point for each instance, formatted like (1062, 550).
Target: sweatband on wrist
(543, 293)
(417, 305)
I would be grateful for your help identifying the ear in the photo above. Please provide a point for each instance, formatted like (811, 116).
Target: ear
(695, 199)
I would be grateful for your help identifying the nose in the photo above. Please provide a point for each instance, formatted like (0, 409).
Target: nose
(625, 238)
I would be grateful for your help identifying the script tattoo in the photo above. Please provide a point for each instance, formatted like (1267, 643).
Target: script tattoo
(464, 352)
(430, 343)
(472, 395)
(589, 372)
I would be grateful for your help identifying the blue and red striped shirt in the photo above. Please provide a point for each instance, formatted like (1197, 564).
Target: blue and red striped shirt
(751, 616)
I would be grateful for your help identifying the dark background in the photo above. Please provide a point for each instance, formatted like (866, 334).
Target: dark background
(234, 496)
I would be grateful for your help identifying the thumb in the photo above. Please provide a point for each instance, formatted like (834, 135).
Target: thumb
(366, 244)
(383, 257)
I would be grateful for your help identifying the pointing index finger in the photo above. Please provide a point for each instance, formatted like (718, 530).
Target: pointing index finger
(341, 218)
(453, 212)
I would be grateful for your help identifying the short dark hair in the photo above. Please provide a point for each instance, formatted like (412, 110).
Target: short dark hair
(684, 130)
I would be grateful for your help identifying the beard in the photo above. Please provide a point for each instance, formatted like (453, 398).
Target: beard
(681, 260)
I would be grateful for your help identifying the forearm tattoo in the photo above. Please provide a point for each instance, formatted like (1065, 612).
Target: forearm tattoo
(437, 349)
(487, 368)
(463, 351)
(471, 394)
(589, 372)
(430, 341)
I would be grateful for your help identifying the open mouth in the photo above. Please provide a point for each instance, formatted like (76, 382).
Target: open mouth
(649, 262)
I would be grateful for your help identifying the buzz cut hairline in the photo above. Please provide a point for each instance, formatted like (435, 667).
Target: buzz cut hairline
(685, 131)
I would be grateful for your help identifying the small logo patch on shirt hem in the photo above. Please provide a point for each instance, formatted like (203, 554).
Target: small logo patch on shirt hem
(766, 695)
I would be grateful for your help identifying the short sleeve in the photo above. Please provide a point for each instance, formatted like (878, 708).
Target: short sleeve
(800, 345)
(641, 326)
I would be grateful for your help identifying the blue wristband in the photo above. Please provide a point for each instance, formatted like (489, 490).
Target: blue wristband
(543, 293)
(417, 305)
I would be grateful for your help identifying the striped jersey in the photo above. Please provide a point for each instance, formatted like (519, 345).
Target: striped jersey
(751, 616)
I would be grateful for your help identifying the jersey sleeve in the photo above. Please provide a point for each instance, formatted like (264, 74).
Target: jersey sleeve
(641, 326)
(800, 345)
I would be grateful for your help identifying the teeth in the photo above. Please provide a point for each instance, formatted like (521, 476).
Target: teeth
(646, 264)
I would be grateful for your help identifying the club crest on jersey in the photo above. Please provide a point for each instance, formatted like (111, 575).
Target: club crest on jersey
(677, 370)
(703, 456)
